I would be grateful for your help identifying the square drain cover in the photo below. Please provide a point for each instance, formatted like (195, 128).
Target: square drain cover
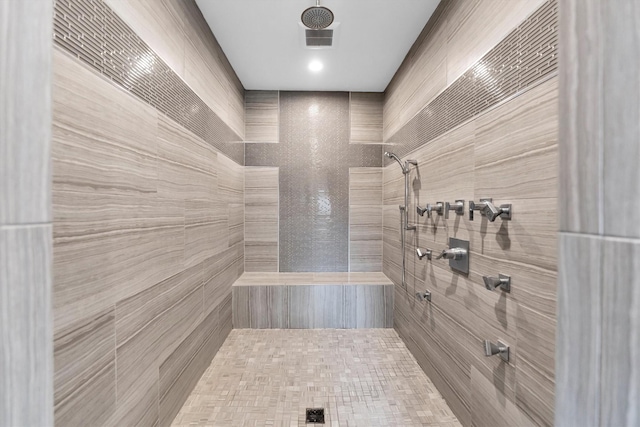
(315, 415)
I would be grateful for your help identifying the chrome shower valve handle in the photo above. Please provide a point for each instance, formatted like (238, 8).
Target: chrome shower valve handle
(488, 209)
(424, 253)
(501, 349)
(457, 207)
(502, 281)
(453, 253)
(438, 208)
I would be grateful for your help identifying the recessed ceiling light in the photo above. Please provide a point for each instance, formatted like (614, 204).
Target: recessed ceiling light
(315, 66)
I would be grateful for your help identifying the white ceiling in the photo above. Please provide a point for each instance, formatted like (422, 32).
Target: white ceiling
(262, 39)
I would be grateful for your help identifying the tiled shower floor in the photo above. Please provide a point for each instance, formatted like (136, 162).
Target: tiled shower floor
(362, 377)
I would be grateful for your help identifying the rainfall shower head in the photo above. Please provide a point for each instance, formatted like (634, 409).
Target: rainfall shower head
(317, 17)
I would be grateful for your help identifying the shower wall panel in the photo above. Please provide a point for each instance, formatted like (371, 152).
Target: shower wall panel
(507, 151)
(26, 350)
(599, 286)
(148, 219)
(314, 157)
(458, 35)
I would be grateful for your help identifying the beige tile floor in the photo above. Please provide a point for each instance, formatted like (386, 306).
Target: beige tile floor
(362, 377)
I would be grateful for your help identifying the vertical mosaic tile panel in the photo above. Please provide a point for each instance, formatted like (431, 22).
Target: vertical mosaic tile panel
(314, 156)
(97, 36)
(528, 55)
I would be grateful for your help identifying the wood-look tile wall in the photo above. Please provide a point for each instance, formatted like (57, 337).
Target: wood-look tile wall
(261, 222)
(26, 348)
(365, 219)
(148, 226)
(365, 112)
(510, 154)
(262, 115)
(598, 375)
(458, 35)
(179, 34)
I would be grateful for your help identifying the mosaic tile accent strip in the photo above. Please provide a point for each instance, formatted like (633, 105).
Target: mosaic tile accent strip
(525, 57)
(363, 378)
(90, 31)
(314, 156)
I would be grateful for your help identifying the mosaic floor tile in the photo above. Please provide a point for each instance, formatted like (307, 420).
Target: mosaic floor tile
(363, 377)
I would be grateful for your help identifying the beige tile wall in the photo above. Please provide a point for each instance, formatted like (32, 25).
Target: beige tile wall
(509, 153)
(261, 218)
(365, 219)
(262, 115)
(26, 350)
(598, 374)
(365, 117)
(148, 238)
(178, 33)
(460, 33)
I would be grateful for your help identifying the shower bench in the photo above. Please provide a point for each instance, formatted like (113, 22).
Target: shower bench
(312, 301)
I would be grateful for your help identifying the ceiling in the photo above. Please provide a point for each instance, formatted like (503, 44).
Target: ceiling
(264, 42)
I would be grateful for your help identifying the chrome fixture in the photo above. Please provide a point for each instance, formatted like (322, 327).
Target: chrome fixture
(453, 253)
(457, 207)
(405, 167)
(438, 208)
(424, 253)
(404, 209)
(488, 209)
(502, 281)
(457, 254)
(424, 296)
(491, 349)
(317, 17)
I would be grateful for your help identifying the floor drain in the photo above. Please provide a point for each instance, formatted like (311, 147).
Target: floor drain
(315, 415)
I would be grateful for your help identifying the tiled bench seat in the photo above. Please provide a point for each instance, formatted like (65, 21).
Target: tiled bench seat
(312, 301)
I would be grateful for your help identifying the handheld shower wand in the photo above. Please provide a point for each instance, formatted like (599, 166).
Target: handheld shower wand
(404, 210)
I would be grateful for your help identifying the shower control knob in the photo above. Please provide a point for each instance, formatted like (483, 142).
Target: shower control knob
(501, 349)
(453, 253)
(457, 207)
(438, 207)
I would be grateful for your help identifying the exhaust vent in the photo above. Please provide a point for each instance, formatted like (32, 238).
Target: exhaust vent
(319, 38)
(326, 38)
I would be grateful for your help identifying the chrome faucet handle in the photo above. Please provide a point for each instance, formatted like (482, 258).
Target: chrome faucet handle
(453, 253)
(491, 349)
(438, 207)
(421, 210)
(424, 296)
(477, 207)
(457, 207)
(428, 209)
(424, 253)
(488, 209)
(502, 281)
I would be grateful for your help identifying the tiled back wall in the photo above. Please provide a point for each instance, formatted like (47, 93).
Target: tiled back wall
(313, 156)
